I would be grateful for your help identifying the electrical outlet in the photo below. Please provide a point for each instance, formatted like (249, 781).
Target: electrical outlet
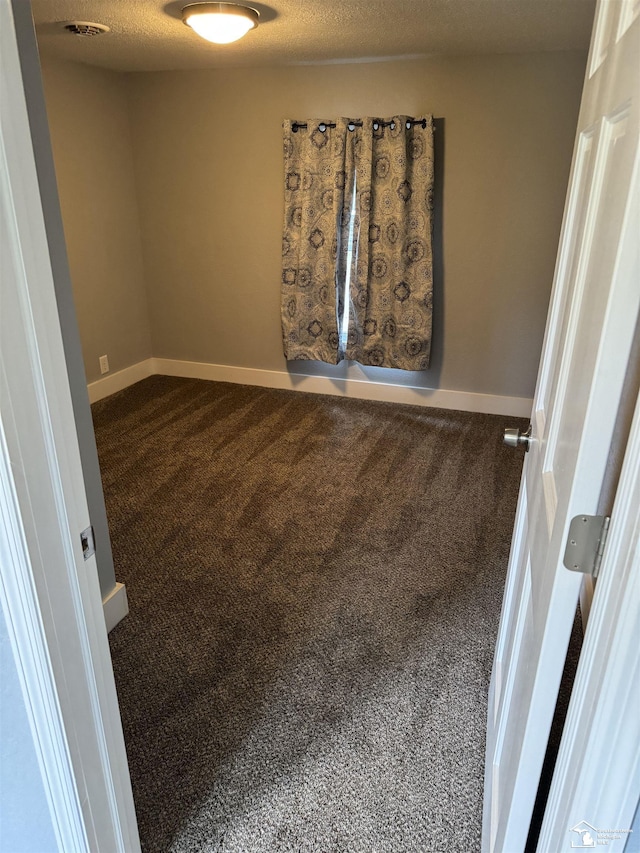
(104, 364)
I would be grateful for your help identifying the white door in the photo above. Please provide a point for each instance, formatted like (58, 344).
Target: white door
(590, 327)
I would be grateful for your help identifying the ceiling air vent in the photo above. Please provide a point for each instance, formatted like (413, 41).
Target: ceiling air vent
(85, 28)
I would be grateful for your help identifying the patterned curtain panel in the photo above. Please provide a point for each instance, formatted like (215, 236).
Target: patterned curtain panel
(392, 293)
(314, 190)
(357, 264)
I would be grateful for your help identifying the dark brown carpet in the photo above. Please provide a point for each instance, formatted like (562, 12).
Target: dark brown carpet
(315, 586)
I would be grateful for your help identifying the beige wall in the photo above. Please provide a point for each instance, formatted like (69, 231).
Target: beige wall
(205, 207)
(91, 140)
(208, 159)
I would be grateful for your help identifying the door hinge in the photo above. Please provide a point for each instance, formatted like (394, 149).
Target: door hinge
(88, 542)
(585, 545)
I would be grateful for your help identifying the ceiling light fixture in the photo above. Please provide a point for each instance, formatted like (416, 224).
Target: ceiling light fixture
(220, 23)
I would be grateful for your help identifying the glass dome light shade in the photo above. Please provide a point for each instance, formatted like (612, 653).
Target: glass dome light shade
(221, 23)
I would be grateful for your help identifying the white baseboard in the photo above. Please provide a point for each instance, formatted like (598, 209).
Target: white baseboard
(121, 379)
(363, 389)
(115, 606)
(466, 401)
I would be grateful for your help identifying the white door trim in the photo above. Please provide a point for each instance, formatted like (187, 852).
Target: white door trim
(19, 602)
(50, 595)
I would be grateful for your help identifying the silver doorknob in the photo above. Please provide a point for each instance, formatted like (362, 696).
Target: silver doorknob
(515, 438)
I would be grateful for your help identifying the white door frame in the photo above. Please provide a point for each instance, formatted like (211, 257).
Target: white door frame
(49, 594)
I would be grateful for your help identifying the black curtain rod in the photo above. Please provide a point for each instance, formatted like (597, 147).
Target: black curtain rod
(323, 125)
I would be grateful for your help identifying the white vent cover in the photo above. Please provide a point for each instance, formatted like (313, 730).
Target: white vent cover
(85, 28)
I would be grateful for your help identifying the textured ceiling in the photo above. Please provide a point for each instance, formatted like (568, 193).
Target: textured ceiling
(148, 35)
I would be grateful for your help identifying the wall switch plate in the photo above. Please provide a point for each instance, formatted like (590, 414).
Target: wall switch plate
(104, 364)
